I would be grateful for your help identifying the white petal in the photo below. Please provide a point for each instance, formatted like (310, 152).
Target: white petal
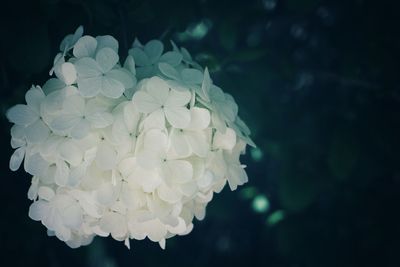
(126, 166)
(145, 102)
(107, 41)
(33, 189)
(172, 58)
(36, 165)
(37, 132)
(178, 98)
(65, 44)
(155, 141)
(205, 180)
(46, 193)
(64, 122)
(168, 194)
(154, 49)
(53, 103)
(177, 171)
(130, 64)
(81, 129)
(106, 58)
(75, 175)
(38, 210)
(74, 104)
(89, 87)
(217, 122)
(106, 157)
(149, 160)
(192, 76)
(199, 118)
(225, 141)
(169, 71)
(132, 197)
(61, 232)
(105, 194)
(186, 55)
(162, 243)
(71, 213)
(16, 158)
(120, 133)
(200, 212)
(140, 57)
(179, 145)
(217, 94)
(76, 36)
(198, 142)
(21, 115)
(17, 136)
(178, 229)
(100, 119)
(137, 43)
(129, 92)
(177, 85)
(115, 224)
(239, 149)
(90, 155)
(111, 87)
(156, 231)
(85, 47)
(242, 126)
(146, 72)
(158, 89)
(52, 85)
(58, 60)
(205, 86)
(87, 67)
(18, 132)
(62, 173)
(127, 243)
(236, 176)
(148, 179)
(16, 143)
(87, 203)
(123, 76)
(71, 153)
(48, 179)
(229, 110)
(156, 120)
(68, 73)
(178, 117)
(174, 46)
(34, 97)
(131, 117)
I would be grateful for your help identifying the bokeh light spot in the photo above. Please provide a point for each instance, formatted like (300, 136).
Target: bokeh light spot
(256, 154)
(275, 217)
(260, 204)
(248, 192)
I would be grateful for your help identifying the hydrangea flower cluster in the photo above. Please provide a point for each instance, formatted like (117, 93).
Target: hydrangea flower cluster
(131, 150)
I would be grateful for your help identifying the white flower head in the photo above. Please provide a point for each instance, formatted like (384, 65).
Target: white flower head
(126, 156)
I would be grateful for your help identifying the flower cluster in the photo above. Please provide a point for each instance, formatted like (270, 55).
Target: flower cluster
(131, 150)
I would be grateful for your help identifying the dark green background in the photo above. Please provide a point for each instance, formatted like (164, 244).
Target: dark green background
(317, 82)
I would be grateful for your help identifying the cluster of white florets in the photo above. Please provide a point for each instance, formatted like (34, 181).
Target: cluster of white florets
(130, 150)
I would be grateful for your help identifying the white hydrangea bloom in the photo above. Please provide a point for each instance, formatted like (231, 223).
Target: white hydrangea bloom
(110, 156)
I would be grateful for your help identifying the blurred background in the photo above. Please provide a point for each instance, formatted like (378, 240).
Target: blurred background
(317, 82)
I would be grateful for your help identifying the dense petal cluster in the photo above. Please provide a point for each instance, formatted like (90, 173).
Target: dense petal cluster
(131, 150)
